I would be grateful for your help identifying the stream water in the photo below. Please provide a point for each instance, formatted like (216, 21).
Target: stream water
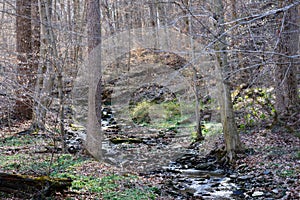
(202, 184)
(187, 176)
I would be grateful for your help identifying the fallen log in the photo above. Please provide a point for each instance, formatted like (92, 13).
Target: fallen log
(126, 140)
(32, 187)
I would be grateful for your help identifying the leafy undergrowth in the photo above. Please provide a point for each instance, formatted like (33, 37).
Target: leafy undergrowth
(271, 170)
(37, 154)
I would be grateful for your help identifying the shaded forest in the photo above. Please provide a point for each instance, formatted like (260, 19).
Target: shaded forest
(149, 99)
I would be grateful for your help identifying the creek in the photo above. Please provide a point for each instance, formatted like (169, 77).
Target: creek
(194, 183)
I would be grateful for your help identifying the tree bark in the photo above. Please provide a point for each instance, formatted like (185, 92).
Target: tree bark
(188, 29)
(94, 137)
(93, 24)
(232, 139)
(46, 75)
(36, 34)
(25, 77)
(287, 96)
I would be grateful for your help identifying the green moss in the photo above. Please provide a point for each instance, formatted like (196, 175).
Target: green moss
(76, 127)
(140, 113)
(255, 105)
(164, 115)
(172, 110)
(212, 128)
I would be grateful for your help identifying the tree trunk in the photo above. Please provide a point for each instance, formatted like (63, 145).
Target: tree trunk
(93, 24)
(48, 54)
(287, 97)
(79, 18)
(25, 76)
(94, 137)
(188, 29)
(36, 34)
(232, 139)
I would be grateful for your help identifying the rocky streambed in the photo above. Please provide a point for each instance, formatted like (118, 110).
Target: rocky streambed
(260, 173)
(196, 177)
(205, 180)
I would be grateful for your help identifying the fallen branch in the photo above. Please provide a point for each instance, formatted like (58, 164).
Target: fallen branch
(126, 140)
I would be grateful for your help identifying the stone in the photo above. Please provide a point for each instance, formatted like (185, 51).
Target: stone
(290, 181)
(215, 185)
(233, 176)
(244, 178)
(202, 166)
(242, 166)
(268, 194)
(275, 191)
(257, 194)
(238, 192)
(266, 172)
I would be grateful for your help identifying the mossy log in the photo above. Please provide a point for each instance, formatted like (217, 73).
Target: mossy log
(126, 140)
(32, 187)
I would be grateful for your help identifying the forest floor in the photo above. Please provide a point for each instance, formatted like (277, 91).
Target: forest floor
(269, 170)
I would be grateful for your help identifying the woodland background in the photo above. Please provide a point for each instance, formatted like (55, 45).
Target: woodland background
(255, 45)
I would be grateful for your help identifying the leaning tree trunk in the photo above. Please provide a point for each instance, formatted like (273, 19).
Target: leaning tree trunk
(232, 139)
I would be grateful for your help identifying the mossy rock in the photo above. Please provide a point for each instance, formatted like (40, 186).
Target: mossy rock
(153, 102)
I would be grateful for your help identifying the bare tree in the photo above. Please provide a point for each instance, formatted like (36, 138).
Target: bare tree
(287, 96)
(25, 76)
(94, 138)
(232, 139)
(196, 77)
(36, 33)
(93, 24)
(48, 53)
